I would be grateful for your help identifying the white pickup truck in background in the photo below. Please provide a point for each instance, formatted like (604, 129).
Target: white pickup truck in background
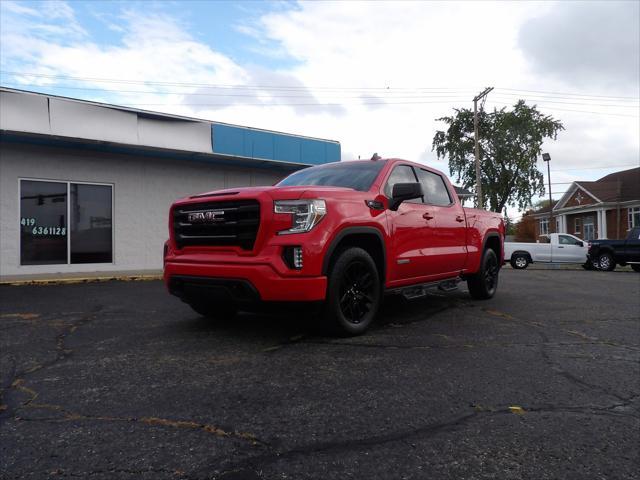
(552, 248)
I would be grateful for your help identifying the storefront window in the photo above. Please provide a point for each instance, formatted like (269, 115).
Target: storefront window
(46, 213)
(90, 223)
(43, 223)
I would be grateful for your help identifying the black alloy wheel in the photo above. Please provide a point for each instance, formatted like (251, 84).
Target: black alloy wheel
(354, 293)
(483, 285)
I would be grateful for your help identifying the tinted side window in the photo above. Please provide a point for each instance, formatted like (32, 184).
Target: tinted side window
(400, 174)
(434, 188)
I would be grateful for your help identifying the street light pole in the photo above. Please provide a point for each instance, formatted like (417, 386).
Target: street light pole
(477, 146)
(547, 158)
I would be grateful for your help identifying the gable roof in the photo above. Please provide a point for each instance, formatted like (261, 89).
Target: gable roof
(620, 186)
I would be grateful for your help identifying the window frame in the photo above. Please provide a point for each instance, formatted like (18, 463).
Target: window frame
(444, 184)
(545, 222)
(631, 211)
(572, 241)
(577, 226)
(68, 213)
(413, 201)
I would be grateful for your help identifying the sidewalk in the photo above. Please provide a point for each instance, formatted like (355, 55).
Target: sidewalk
(84, 277)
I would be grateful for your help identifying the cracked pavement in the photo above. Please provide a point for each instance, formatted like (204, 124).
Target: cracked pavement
(120, 380)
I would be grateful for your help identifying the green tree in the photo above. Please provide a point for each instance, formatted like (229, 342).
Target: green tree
(510, 143)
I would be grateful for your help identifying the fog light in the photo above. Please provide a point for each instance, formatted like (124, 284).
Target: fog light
(292, 256)
(297, 257)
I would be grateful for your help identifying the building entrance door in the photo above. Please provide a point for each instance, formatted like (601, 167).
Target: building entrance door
(589, 228)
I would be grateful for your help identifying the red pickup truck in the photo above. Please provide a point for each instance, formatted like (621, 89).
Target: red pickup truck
(341, 234)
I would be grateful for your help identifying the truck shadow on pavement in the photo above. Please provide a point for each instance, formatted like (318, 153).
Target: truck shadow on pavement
(395, 311)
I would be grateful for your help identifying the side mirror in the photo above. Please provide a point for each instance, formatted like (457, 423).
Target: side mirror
(402, 192)
(581, 244)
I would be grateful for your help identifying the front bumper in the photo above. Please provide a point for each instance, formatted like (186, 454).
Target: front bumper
(245, 282)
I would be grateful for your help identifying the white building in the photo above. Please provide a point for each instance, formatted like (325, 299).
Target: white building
(86, 187)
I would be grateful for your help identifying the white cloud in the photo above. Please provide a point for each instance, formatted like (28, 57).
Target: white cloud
(369, 52)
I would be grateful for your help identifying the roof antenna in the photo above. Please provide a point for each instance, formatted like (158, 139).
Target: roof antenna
(376, 157)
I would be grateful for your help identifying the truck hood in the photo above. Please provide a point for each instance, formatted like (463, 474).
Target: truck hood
(276, 192)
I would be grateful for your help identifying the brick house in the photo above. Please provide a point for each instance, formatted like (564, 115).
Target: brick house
(605, 208)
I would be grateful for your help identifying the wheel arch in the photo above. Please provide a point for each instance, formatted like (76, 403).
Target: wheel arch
(522, 252)
(493, 241)
(369, 239)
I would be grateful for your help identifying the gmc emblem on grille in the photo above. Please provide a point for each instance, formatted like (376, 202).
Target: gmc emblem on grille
(207, 217)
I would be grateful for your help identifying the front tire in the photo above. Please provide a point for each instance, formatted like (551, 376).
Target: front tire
(483, 285)
(606, 262)
(353, 294)
(519, 261)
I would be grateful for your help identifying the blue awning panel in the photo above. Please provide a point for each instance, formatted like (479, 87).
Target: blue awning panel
(260, 144)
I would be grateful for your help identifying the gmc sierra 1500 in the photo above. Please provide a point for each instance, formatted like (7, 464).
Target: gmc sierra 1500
(342, 234)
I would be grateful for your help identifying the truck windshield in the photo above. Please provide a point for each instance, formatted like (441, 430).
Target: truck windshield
(356, 175)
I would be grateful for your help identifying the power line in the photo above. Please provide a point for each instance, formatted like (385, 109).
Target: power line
(191, 84)
(586, 104)
(301, 87)
(604, 167)
(250, 95)
(441, 95)
(563, 93)
(551, 107)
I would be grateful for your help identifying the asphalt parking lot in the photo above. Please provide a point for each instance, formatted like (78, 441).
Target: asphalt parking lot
(120, 380)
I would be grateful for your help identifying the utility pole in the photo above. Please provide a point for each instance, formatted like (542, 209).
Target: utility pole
(547, 158)
(475, 136)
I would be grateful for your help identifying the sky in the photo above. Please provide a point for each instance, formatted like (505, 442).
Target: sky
(375, 76)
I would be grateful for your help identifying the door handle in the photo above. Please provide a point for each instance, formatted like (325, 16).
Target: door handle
(427, 216)
(459, 218)
(560, 246)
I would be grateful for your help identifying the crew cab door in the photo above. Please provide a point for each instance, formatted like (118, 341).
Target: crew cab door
(411, 228)
(447, 252)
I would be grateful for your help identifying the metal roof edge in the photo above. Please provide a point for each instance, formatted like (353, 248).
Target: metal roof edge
(160, 114)
(142, 150)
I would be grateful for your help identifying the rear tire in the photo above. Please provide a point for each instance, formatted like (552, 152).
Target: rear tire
(519, 261)
(635, 267)
(354, 293)
(213, 311)
(606, 262)
(483, 285)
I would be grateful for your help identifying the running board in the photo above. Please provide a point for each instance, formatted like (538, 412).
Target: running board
(417, 291)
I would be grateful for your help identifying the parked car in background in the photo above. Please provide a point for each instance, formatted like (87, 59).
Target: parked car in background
(552, 248)
(606, 254)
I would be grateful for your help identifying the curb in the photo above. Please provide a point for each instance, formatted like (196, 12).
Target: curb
(69, 281)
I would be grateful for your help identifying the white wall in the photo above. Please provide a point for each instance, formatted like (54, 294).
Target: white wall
(143, 189)
(34, 113)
